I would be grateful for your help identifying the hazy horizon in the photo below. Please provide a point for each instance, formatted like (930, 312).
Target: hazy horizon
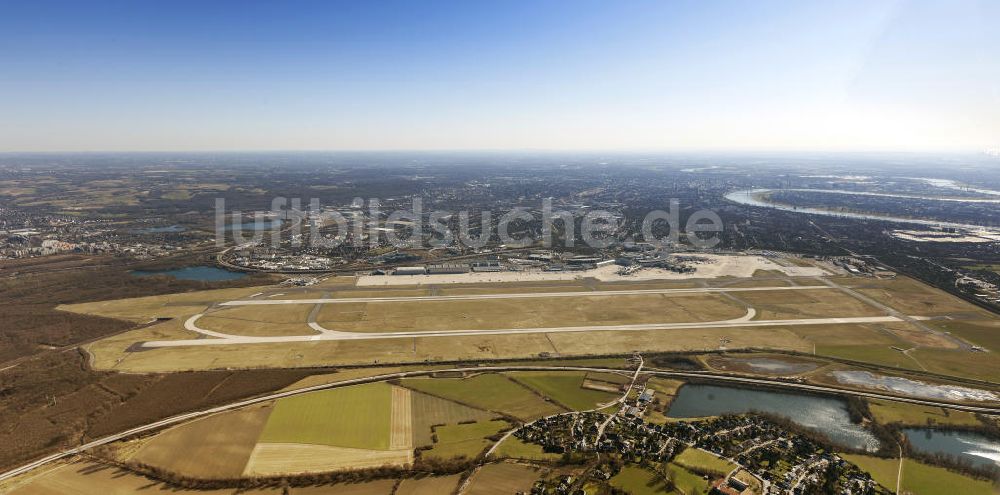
(552, 76)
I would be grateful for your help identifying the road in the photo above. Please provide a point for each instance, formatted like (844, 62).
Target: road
(321, 333)
(621, 401)
(600, 431)
(710, 376)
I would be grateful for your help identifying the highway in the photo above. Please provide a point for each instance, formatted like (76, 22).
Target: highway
(711, 376)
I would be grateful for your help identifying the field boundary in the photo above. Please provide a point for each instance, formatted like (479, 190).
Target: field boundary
(995, 410)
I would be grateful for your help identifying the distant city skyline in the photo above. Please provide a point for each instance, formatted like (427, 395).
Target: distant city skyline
(875, 75)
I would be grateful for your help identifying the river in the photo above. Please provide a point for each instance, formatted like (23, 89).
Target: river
(754, 197)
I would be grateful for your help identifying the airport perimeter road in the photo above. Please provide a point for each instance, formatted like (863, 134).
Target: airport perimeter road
(522, 295)
(709, 376)
(745, 321)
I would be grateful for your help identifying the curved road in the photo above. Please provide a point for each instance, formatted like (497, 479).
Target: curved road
(327, 334)
(379, 378)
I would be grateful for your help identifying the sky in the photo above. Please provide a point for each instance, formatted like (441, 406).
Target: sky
(174, 75)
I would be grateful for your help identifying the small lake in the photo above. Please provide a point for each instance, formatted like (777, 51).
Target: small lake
(771, 366)
(200, 273)
(969, 447)
(913, 388)
(169, 229)
(255, 225)
(822, 414)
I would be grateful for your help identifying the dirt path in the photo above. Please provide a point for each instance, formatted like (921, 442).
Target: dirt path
(899, 475)
(401, 434)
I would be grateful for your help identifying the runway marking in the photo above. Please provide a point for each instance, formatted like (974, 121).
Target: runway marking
(528, 295)
(741, 322)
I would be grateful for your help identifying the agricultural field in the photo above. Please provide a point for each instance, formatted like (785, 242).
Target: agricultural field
(686, 481)
(218, 446)
(514, 448)
(463, 440)
(503, 479)
(343, 428)
(488, 391)
(87, 477)
(639, 481)
(700, 461)
(886, 412)
(377, 487)
(428, 485)
(355, 417)
(920, 478)
(429, 411)
(83, 477)
(271, 459)
(564, 388)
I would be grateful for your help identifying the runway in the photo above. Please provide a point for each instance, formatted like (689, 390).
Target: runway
(745, 321)
(216, 338)
(522, 295)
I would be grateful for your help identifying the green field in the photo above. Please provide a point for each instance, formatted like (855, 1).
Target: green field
(983, 333)
(886, 412)
(700, 461)
(687, 482)
(357, 417)
(639, 481)
(882, 354)
(466, 440)
(488, 391)
(993, 268)
(976, 365)
(503, 479)
(920, 478)
(514, 448)
(564, 388)
(429, 411)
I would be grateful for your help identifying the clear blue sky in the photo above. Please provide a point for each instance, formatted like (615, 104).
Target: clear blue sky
(504, 74)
